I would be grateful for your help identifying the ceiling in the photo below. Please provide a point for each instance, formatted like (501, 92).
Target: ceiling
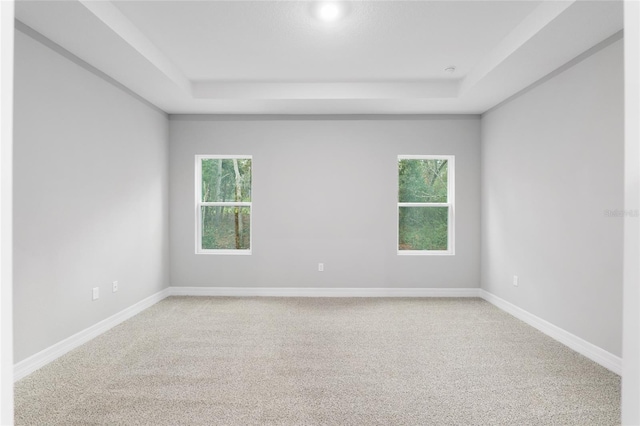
(278, 57)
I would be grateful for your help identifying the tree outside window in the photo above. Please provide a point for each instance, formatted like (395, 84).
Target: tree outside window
(223, 204)
(425, 204)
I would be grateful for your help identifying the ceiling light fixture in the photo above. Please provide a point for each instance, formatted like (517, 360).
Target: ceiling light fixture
(450, 70)
(329, 11)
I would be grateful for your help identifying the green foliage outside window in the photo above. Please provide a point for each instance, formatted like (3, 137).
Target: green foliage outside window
(422, 181)
(219, 231)
(423, 227)
(225, 180)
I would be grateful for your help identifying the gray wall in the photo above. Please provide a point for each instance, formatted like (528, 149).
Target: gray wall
(552, 165)
(324, 190)
(91, 198)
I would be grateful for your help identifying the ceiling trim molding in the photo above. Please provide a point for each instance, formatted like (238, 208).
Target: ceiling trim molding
(321, 117)
(534, 23)
(111, 16)
(425, 89)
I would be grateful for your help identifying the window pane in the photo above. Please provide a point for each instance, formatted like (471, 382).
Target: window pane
(423, 228)
(226, 179)
(226, 228)
(422, 181)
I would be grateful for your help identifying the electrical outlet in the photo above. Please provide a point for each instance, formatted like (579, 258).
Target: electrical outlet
(515, 281)
(320, 267)
(96, 293)
(114, 286)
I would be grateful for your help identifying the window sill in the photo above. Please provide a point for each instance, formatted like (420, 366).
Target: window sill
(225, 252)
(425, 253)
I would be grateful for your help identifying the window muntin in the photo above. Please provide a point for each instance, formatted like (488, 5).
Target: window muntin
(223, 204)
(426, 204)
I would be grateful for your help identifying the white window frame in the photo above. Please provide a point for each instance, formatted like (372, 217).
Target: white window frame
(199, 204)
(450, 204)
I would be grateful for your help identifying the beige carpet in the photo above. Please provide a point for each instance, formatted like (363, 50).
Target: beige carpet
(299, 361)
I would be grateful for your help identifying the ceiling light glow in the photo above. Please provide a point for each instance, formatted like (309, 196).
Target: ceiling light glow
(329, 12)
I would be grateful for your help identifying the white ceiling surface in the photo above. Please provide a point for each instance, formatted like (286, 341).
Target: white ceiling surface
(284, 41)
(277, 57)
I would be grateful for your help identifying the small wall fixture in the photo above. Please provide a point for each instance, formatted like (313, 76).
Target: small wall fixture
(450, 70)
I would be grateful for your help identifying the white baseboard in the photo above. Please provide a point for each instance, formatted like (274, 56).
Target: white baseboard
(324, 292)
(596, 354)
(591, 351)
(44, 357)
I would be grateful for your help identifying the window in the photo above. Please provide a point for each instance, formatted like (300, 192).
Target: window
(223, 204)
(425, 204)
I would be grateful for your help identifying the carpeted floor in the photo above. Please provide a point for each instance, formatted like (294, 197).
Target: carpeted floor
(317, 361)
